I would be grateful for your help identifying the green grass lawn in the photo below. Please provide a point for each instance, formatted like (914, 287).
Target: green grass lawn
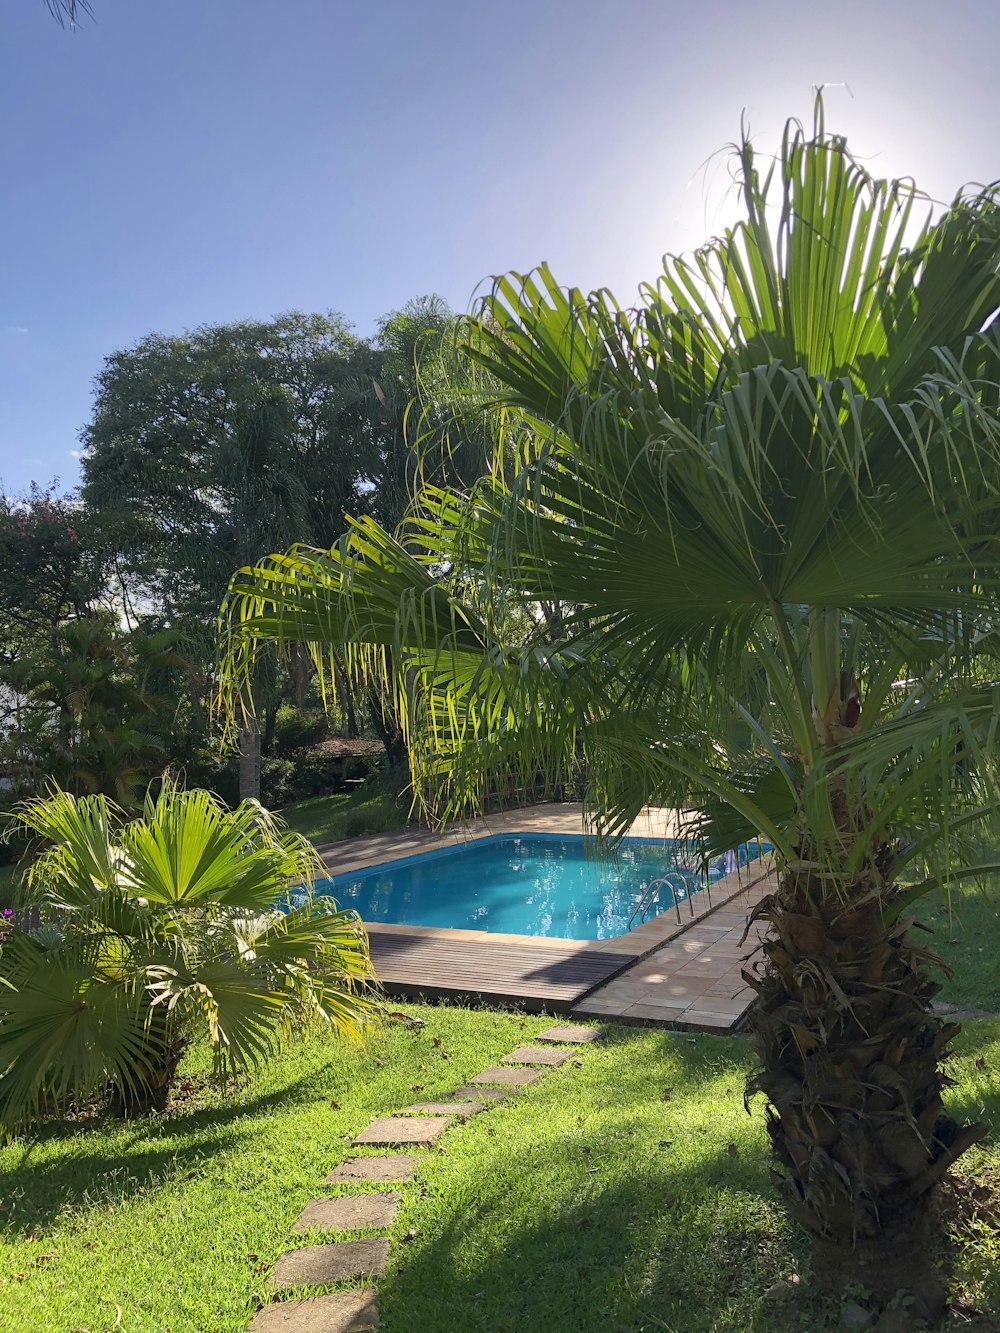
(967, 938)
(626, 1191)
(367, 809)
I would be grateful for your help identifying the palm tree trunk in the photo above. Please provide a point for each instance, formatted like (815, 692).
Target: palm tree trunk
(154, 1073)
(850, 1057)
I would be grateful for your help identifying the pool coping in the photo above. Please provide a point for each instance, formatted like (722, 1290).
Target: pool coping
(632, 948)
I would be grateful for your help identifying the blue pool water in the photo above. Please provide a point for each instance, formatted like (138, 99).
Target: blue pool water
(537, 884)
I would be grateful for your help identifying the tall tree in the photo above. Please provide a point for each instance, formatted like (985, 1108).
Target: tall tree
(208, 449)
(88, 710)
(52, 569)
(769, 499)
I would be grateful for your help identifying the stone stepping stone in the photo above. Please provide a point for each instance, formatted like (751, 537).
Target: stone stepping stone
(350, 1212)
(480, 1094)
(400, 1167)
(340, 1312)
(460, 1109)
(517, 1077)
(572, 1034)
(390, 1130)
(537, 1055)
(320, 1265)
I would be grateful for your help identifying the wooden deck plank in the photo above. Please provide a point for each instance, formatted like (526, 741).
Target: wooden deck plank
(430, 962)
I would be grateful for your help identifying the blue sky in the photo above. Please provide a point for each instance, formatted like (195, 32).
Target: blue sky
(178, 162)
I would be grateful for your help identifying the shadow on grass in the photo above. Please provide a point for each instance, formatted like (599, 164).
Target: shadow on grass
(113, 1159)
(676, 1237)
(667, 1250)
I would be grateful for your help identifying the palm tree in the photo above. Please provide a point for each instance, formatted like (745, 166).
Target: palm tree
(766, 502)
(68, 11)
(157, 927)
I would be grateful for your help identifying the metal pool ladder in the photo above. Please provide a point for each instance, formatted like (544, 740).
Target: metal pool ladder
(651, 892)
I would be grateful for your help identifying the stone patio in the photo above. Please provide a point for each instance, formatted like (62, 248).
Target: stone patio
(694, 981)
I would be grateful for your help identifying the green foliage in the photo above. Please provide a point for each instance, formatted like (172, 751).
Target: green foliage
(52, 566)
(764, 504)
(91, 708)
(155, 928)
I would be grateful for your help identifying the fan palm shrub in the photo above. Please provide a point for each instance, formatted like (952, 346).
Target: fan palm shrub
(158, 927)
(765, 502)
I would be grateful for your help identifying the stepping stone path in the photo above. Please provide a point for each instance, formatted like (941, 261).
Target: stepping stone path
(350, 1212)
(385, 1133)
(457, 1108)
(480, 1094)
(319, 1265)
(340, 1312)
(537, 1055)
(516, 1077)
(400, 1167)
(418, 1126)
(572, 1034)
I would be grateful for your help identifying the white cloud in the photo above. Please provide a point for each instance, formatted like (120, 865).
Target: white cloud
(75, 453)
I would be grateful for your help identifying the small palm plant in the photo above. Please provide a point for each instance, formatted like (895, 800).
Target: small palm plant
(766, 504)
(154, 929)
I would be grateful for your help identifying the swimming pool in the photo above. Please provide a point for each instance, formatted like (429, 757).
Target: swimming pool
(523, 884)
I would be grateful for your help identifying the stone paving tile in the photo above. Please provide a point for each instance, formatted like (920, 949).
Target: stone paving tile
(537, 1055)
(703, 1019)
(719, 1005)
(602, 1007)
(388, 1130)
(481, 1094)
(319, 1265)
(571, 1033)
(350, 1212)
(665, 1013)
(519, 1077)
(460, 1109)
(728, 988)
(339, 1312)
(692, 980)
(399, 1167)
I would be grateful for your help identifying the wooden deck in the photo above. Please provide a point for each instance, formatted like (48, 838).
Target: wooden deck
(544, 975)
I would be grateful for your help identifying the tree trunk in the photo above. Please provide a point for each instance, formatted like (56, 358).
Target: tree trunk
(344, 699)
(249, 758)
(154, 1075)
(270, 721)
(387, 727)
(850, 1058)
(298, 669)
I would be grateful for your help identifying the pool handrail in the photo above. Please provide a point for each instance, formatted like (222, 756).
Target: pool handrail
(651, 890)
